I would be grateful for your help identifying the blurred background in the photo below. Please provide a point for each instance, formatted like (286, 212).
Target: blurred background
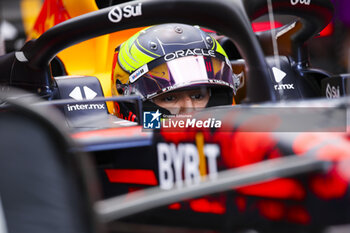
(23, 19)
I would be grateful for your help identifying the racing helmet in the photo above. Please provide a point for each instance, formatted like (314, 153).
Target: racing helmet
(171, 57)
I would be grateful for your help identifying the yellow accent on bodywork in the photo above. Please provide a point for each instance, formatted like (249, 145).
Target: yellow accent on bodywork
(30, 10)
(76, 8)
(202, 160)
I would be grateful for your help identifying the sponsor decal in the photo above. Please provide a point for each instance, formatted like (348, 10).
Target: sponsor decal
(284, 87)
(151, 120)
(77, 94)
(219, 81)
(306, 2)
(180, 164)
(278, 74)
(79, 107)
(117, 14)
(189, 52)
(332, 91)
(138, 73)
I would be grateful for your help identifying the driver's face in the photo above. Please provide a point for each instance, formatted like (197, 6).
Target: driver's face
(179, 102)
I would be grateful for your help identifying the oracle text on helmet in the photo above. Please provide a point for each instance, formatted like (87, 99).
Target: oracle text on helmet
(189, 52)
(117, 14)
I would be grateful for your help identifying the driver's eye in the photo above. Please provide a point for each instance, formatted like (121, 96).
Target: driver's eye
(169, 98)
(197, 96)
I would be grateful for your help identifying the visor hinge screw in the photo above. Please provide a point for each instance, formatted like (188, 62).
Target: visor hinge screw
(178, 30)
(153, 46)
(209, 40)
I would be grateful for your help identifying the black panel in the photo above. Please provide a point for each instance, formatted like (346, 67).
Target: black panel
(81, 88)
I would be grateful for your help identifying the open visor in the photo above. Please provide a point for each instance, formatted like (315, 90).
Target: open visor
(183, 72)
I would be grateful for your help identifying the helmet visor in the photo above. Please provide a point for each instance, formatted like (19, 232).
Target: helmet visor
(184, 72)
